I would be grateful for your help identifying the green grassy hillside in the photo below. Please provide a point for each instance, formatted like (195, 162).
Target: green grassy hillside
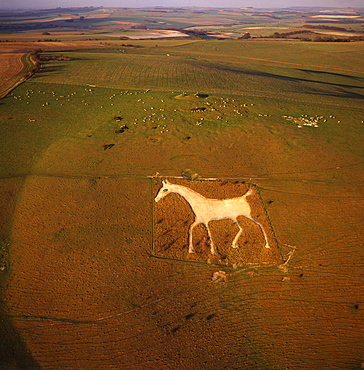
(291, 70)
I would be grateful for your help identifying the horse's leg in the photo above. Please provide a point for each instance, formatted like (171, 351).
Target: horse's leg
(237, 236)
(261, 228)
(212, 245)
(190, 246)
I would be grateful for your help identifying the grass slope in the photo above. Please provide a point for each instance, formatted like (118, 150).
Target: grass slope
(231, 67)
(82, 288)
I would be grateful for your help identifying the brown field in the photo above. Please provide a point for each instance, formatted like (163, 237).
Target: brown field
(155, 34)
(10, 65)
(126, 25)
(85, 290)
(93, 16)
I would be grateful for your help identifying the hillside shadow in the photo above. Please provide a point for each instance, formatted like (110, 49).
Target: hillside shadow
(341, 92)
(14, 353)
(48, 69)
(331, 74)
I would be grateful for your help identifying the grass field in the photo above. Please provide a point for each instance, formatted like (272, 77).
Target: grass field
(83, 286)
(230, 67)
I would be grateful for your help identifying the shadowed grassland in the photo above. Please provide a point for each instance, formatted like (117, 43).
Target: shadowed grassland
(82, 288)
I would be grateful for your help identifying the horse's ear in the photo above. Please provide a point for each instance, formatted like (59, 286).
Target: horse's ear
(165, 182)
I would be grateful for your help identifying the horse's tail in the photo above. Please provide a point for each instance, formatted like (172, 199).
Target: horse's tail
(249, 192)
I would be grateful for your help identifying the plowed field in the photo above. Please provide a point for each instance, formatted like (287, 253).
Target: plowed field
(10, 65)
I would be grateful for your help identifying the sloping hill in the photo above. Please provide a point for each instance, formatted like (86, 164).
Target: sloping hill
(81, 287)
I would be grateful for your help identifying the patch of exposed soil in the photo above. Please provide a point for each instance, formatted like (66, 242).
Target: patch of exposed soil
(173, 217)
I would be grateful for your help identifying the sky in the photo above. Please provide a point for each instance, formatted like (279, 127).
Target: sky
(26, 4)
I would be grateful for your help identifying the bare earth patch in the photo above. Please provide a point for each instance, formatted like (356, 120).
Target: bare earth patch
(173, 217)
(10, 65)
(155, 34)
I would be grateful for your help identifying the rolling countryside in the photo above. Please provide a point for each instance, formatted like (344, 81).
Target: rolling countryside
(99, 106)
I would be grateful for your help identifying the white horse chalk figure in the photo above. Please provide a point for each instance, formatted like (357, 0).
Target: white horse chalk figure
(206, 210)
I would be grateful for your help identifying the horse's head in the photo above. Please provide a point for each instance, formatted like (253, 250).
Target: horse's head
(164, 190)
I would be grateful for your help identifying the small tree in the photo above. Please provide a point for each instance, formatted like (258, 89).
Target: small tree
(245, 36)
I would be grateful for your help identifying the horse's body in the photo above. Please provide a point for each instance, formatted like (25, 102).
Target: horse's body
(207, 210)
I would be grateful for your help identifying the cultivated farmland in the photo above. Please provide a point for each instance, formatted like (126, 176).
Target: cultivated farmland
(94, 274)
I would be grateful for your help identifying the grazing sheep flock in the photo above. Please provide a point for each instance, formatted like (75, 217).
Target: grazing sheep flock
(311, 121)
(164, 112)
(158, 115)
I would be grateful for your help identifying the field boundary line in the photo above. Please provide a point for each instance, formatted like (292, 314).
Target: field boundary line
(246, 179)
(65, 321)
(28, 70)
